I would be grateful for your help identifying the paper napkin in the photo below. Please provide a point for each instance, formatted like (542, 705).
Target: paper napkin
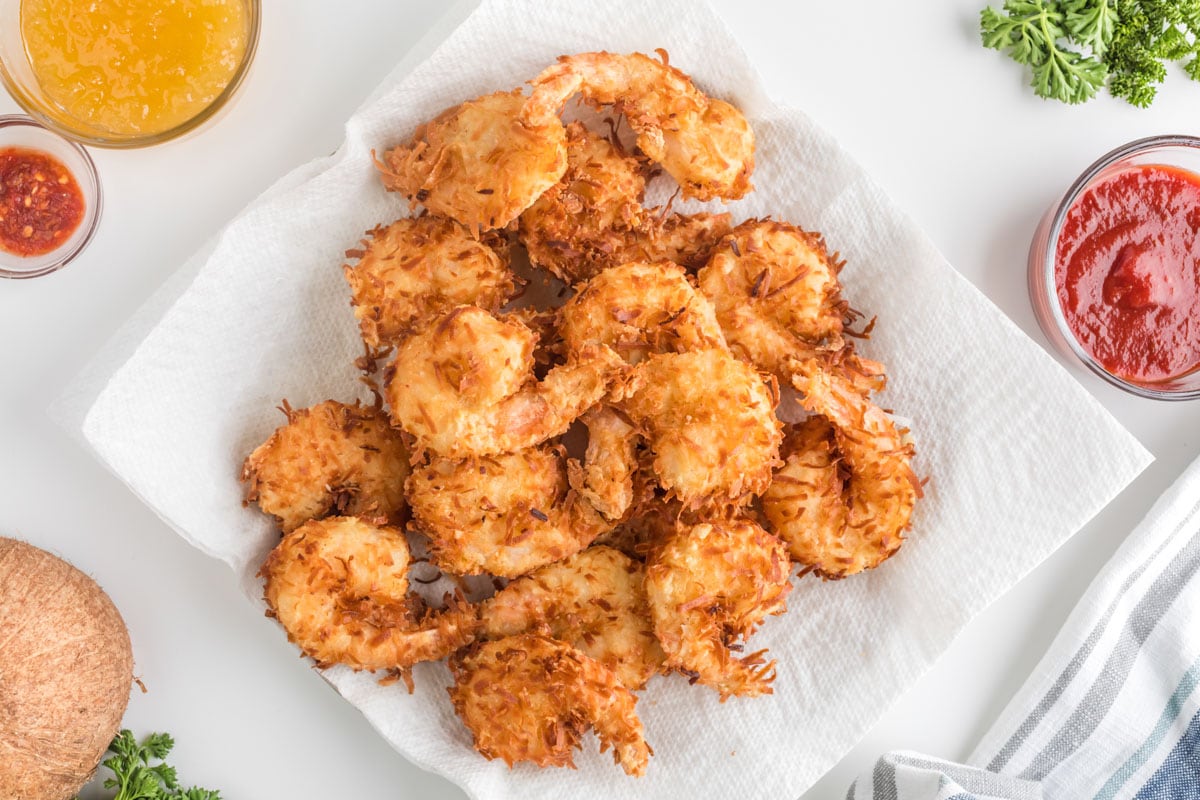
(1018, 456)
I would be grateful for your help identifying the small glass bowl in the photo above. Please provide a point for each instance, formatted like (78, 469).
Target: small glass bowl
(1179, 151)
(17, 131)
(17, 77)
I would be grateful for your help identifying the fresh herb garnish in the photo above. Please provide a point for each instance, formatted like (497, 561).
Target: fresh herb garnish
(1075, 47)
(135, 778)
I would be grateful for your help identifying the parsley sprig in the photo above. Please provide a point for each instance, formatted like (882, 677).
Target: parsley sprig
(136, 778)
(1075, 47)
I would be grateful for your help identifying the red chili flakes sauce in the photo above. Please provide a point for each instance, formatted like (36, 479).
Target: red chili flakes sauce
(1128, 272)
(41, 204)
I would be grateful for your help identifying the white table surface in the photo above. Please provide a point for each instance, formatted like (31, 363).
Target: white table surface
(945, 126)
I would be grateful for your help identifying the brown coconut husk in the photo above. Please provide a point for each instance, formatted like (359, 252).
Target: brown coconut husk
(66, 669)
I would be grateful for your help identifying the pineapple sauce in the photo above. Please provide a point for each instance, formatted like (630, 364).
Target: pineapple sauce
(132, 67)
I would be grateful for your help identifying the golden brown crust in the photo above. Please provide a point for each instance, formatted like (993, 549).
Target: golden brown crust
(804, 504)
(776, 292)
(710, 584)
(465, 386)
(419, 267)
(66, 669)
(593, 219)
(594, 601)
(638, 309)
(876, 486)
(480, 163)
(332, 458)
(531, 698)
(339, 587)
(504, 514)
(704, 143)
(710, 421)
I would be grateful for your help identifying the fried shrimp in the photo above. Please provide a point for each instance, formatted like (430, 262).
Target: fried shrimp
(465, 385)
(504, 515)
(332, 458)
(480, 163)
(606, 479)
(776, 291)
(419, 267)
(593, 218)
(705, 144)
(339, 587)
(710, 422)
(804, 504)
(531, 698)
(638, 309)
(595, 601)
(844, 497)
(509, 514)
(708, 585)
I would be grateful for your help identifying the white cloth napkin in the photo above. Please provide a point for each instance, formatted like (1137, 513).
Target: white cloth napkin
(1018, 456)
(1112, 711)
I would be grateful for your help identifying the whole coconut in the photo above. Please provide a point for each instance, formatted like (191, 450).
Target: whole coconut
(66, 669)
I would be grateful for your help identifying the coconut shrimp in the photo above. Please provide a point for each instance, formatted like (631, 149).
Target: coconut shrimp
(531, 698)
(419, 267)
(606, 480)
(339, 587)
(595, 601)
(509, 514)
(804, 504)
(332, 458)
(638, 309)
(705, 144)
(844, 496)
(465, 385)
(593, 218)
(650, 521)
(480, 163)
(709, 420)
(776, 291)
(708, 585)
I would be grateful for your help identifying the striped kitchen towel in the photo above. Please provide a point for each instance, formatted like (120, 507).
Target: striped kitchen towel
(1113, 709)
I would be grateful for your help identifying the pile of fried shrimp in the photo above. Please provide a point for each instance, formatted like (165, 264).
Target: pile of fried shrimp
(614, 464)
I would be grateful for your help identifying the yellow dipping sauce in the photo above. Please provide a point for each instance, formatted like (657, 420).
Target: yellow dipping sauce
(132, 67)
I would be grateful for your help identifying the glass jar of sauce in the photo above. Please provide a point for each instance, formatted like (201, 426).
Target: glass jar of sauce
(126, 73)
(1114, 269)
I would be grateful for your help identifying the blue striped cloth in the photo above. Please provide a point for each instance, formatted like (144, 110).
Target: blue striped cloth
(1112, 711)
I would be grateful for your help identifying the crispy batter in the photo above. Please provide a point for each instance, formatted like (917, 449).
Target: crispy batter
(685, 239)
(595, 601)
(332, 458)
(651, 516)
(531, 698)
(465, 386)
(606, 478)
(638, 309)
(419, 267)
(593, 219)
(776, 291)
(846, 493)
(481, 163)
(505, 515)
(710, 421)
(704, 143)
(339, 587)
(804, 504)
(708, 585)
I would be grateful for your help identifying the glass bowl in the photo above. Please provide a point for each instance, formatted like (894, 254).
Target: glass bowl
(1179, 151)
(16, 131)
(18, 78)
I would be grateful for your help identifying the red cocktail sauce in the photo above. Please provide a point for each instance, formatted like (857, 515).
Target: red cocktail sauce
(41, 205)
(1127, 272)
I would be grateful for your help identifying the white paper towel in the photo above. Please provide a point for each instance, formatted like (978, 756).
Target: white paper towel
(1018, 455)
